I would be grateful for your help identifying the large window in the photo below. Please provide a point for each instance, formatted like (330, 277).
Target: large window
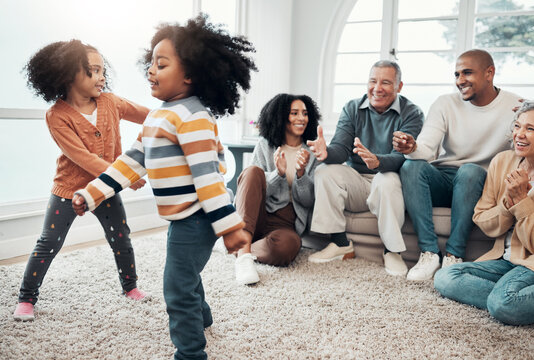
(425, 37)
(119, 29)
(356, 53)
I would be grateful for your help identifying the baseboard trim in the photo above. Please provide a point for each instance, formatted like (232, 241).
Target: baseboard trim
(18, 235)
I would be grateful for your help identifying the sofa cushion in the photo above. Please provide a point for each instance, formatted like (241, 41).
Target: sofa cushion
(362, 229)
(365, 222)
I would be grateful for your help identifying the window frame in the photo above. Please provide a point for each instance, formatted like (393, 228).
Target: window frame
(465, 36)
(38, 113)
(34, 114)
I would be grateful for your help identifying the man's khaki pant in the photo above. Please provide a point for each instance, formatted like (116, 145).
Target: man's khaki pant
(340, 187)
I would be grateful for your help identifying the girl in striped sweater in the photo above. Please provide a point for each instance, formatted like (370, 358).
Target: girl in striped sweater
(195, 70)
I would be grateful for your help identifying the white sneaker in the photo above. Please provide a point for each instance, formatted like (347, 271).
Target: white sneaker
(333, 252)
(451, 260)
(219, 246)
(245, 270)
(425, 268)
(394, 264)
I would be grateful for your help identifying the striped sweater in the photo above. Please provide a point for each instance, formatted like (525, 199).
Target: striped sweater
(180, 151)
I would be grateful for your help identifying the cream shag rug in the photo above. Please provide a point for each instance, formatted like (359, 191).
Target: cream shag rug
(349, 310)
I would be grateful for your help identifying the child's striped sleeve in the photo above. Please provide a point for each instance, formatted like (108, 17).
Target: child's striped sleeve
(123, 172)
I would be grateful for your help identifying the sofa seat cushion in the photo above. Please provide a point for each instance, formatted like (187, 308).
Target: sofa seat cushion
(362, 229)
(366, 222)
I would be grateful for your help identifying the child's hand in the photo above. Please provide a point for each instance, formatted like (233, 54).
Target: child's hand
(79, 205)
(138, 184)
(235, 240)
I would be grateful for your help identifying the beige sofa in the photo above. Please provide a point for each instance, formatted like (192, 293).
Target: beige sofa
(362, 229)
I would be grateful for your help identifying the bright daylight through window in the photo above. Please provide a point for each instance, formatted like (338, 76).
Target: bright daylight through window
(120, 38)
(425, 37)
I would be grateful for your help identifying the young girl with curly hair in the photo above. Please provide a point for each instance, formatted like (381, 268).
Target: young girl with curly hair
(275, 195)
(196, 70)
(84, 122)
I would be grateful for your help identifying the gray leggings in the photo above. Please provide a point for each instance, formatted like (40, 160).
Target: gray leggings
(58, 219)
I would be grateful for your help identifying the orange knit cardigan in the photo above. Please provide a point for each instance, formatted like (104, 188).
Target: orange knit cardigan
(88, 150)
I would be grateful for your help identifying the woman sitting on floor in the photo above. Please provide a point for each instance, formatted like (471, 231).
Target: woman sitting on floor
(275, 195)
(502, 280)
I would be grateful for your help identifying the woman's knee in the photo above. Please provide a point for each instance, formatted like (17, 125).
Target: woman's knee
(445, 281)
(502, 308)
(284, 246)
(251, 173)
(441, 281)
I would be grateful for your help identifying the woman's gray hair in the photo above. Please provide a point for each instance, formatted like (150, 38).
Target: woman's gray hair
(527, 105)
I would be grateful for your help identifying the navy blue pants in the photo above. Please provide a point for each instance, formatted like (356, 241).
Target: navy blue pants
(189, 245)
(58, 220)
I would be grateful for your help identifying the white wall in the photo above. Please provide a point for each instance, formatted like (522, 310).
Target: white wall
(311, 24)
(269, 26)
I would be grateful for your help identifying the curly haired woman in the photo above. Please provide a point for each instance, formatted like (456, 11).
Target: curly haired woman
(275, 195)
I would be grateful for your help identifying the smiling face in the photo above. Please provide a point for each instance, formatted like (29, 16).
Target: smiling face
(382, 88)
(474, 80)
(166, 74)
(297, 121)
(523, 135)
(90, 86)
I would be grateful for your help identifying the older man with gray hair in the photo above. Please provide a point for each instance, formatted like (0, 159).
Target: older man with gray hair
(369, 180)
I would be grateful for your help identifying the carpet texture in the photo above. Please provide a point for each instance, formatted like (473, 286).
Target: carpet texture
(349, 310)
